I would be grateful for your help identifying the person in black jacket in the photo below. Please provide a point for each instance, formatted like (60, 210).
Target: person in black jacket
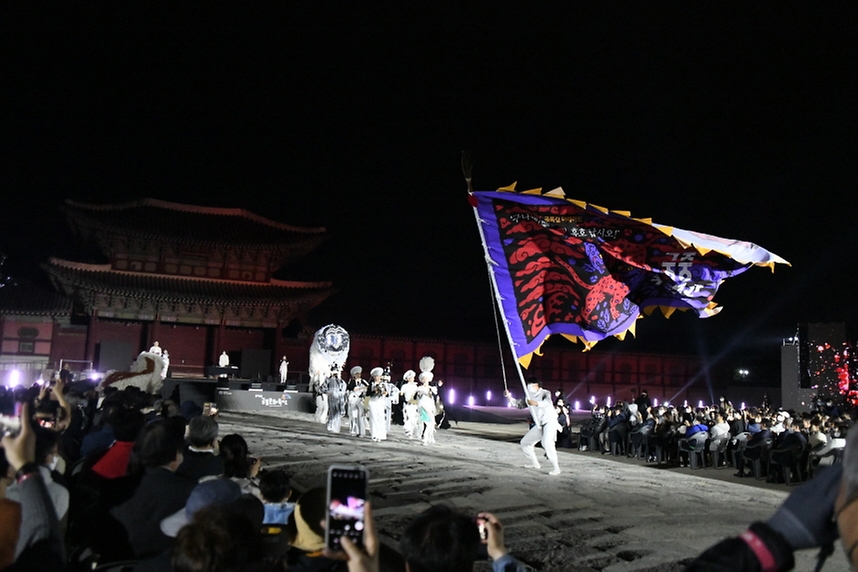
(200, 457)
(160, 493)
(813, 516)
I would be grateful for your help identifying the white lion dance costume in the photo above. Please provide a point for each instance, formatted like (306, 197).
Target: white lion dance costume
(330, 348)
(145, 373)
(426, 400)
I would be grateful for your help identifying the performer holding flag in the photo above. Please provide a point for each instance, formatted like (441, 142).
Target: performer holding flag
(545, 427)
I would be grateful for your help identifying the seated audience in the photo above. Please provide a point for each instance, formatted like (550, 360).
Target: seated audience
(127, 424)
(307, 536)
(200, 457)
(238, 465)
(46, 457)
(276, 490)
(158, 452)
(39, 542)
(441, 539)
(813, 516)
(220, 537)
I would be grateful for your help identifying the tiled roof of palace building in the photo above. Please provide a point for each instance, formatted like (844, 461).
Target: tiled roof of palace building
(74, 276)
(28, 299)
(161, 219)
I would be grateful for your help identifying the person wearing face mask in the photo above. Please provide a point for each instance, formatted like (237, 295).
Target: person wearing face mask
(545, 423)
(47, 457)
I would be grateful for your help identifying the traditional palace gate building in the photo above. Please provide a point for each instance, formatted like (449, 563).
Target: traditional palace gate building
(197, 279)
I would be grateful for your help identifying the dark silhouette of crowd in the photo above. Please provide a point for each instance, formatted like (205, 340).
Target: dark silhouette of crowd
(757, 442)
(128, 481)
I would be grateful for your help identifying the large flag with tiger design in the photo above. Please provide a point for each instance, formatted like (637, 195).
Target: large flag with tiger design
(582, 271)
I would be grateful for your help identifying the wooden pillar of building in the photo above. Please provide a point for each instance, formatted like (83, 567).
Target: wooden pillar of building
(91, 337)
(219, 337)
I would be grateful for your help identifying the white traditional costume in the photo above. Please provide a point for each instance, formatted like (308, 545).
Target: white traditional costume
(284, 369)
(357, 390)
(545, 427)
(377, 405)
(426, 400)
(165, 357)
(329, 348)
(336, 400)
(408, 395)
(391, 398)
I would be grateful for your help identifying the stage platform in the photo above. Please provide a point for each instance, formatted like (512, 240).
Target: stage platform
(239, 394)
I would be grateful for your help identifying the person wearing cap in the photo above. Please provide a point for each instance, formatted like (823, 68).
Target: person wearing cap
(545, 424)
(215, 492)
(218, 529)
(306, 535)
(357, 388)
(408, 396)
(426, 394)
(391, 401)
(377, 405)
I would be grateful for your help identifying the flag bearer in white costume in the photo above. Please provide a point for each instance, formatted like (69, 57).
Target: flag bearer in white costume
(408, 395)
(357, 389)
(377, 404)
(545, 427)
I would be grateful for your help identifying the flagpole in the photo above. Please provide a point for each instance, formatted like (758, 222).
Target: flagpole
(489, 263)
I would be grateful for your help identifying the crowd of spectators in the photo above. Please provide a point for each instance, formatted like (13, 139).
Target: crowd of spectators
(762, 442)
(132, 481)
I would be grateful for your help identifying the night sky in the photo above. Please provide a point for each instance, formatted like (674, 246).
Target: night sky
(734, 121)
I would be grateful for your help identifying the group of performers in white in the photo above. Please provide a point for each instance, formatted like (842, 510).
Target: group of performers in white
(370, 404)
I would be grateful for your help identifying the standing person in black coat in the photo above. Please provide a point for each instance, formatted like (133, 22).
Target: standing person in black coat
(161, 492)
(644, 404)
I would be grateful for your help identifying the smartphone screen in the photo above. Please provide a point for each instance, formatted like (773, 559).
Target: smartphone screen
(347, 492)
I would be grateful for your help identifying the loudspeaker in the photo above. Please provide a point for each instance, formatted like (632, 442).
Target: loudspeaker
(270, 386)
(238, 384)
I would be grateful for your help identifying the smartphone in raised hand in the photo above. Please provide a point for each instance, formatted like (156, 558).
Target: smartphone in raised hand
(347, 494)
